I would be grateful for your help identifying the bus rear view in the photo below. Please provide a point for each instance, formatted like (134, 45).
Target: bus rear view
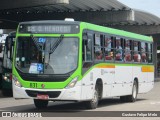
(46, 62)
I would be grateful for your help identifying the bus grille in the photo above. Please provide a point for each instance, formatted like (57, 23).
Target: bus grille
(51, 94)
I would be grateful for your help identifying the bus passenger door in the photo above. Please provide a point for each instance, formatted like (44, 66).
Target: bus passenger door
(87, 57)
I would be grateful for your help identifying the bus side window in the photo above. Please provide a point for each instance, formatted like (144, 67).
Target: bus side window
(119, 49)
(8, 47)
(143, 52)
(136, 49)
(87, 47)
(108, 47)
(128, 51)
(98, 47)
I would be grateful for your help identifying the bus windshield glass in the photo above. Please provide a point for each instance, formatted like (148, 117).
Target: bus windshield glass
(47, 55)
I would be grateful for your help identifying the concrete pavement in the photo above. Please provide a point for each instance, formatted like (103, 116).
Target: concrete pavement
(145, 102)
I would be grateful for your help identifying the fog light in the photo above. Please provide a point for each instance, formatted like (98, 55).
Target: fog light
(72, 83)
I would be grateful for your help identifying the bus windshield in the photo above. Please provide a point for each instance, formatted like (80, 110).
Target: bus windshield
(47, 55)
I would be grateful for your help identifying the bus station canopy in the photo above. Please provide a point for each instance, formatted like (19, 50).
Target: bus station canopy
(102, 12)
(61, 5)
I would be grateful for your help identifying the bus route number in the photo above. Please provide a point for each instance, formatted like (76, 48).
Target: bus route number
(33, 85)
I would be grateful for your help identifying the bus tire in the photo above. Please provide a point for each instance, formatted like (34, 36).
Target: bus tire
(40, 103)
(92, 104)
(133, 96)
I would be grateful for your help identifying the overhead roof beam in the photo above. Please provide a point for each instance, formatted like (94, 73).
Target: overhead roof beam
(13, 4)
(140, 29)
(96, 17)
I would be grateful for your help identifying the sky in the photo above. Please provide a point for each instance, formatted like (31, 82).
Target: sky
(151, 6)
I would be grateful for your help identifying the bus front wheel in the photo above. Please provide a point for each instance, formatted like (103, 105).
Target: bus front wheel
(40, 103)
(93, 103)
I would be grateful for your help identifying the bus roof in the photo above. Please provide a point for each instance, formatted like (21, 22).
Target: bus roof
(116, 32)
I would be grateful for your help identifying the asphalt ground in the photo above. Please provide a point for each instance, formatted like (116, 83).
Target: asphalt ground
(146, 103)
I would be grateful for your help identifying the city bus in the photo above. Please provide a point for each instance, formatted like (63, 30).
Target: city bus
(81, 62)
(7, 64)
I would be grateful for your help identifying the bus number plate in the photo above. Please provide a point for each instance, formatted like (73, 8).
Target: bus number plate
(42, 97)
(33, 85)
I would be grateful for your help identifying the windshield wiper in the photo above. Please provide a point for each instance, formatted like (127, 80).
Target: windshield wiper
(53, 48)
(59, 40)
(36, 43)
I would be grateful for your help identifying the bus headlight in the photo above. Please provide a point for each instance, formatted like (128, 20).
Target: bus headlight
(16, 82)
(72, 83)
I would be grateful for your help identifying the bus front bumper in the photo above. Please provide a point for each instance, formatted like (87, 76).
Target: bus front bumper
(72, 94)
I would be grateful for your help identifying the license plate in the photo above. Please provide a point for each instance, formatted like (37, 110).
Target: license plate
(42, 97)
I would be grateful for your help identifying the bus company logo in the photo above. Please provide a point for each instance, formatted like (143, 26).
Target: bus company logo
(6, 114)
(43, 86)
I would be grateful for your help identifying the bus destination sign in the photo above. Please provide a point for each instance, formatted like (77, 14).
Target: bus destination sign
(58, 29)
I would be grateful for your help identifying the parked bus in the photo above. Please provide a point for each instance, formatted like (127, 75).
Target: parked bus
(78, 61)
(7, 64)
(2, 42)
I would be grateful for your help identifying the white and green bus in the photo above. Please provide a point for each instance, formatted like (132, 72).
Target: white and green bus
(78, 61)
